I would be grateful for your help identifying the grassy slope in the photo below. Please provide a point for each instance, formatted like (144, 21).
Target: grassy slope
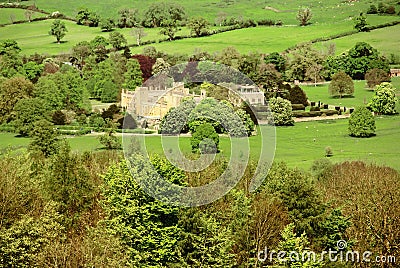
(19, 14)
(386, 40)
(327, 11)
(270, 39)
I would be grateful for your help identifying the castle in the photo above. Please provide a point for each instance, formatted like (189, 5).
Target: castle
(154, 102)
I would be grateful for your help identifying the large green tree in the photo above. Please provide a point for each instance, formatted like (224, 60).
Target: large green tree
(198, 26)
(133, 75)
(161, 11)
(362, 123)
(117, 40)
(384, 99)
(11, 91)
(44, 138)
(27, 112)
(58, 29)
(281, 112)
(341, 85)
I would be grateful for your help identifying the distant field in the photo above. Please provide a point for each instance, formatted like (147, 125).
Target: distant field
(17, 14)
(386, 40)
(361, 94)
(328, 11)
(295, 145)
(270, 39)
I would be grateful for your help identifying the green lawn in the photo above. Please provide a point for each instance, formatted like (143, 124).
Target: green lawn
(17, 14)
(362, 95)
(34, 38)
(299, 145)
(296, 146)
(386, 40)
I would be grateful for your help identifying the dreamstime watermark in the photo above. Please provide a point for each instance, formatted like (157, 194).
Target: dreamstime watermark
(338, 255)
(166, 90)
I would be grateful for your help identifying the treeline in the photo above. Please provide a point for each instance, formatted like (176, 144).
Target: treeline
(87, 210)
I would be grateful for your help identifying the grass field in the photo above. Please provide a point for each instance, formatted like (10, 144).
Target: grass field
(386, 40)
(17, 14)
(328, 11)
(299, 145)
(264, 39)
(362, 95)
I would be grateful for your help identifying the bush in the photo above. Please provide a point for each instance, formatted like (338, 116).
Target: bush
(384, 99)
(376, 76)
(361, 123)
(317, 109)
(328, 151)
(372, 10)
(298, 96)
(281, 111)
(59, 118)
(298, 107)
(205, 139)
(341, 84)
(321, 168)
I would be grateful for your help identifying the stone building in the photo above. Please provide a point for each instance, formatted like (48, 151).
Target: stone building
(394, 72)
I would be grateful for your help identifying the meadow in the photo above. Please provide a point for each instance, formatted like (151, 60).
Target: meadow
(329, 11)
(16, 14)
(299, 145)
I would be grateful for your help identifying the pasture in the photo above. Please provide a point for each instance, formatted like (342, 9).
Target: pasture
(298, 145)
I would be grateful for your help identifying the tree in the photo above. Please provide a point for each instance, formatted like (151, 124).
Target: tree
(139, 33)
(281, 111)
(304, 16)
(174, 122)
(297, 96)
(148, 228)
(247, 121)
(11, 91)
(117, 40)
(107, 24)
(372, 10)
(369, 195)
(27, 112)
(376, 76)
(32, 71)
(361, 58)
(109, 91)
(341, 84)
(133, 75)
(88, 18)
(361, 24)
(169, 28)
(128, 18)
(205, 139)
(276, 59)
(161, 11)
(58, 29)
(361, 123)
(28, 14)
(198, 26)
(384, 99)
(109, 140)
(293, 243)
(160, 65)
(44, 138)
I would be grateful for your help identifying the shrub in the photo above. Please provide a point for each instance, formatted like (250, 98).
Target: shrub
(281, 110)
(376, 76)
(361, 123)
(59, 118)
(321, 168)
(384, 99)
(297, 96)
(298, 107)
(328, 151)
(317, 109)
(372, 10)
(341, 84)
(205, 139)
